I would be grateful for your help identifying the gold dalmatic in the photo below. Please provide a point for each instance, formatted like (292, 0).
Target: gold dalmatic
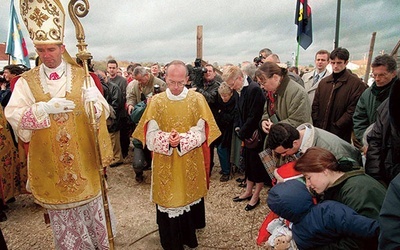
(178, 180)
(62, 165)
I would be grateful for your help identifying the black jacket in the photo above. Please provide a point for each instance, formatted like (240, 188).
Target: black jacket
(383, 155)
(113, 96)
(225, 115)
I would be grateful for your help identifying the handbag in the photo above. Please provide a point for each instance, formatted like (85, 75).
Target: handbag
(253, 141)
(138, 111)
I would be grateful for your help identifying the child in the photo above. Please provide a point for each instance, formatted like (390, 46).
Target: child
(319, 224)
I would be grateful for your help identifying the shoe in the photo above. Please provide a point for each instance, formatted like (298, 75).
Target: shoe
(3, 216)
(11, 200)
(224, 178)
(115, 164)
(139, 178)
(251, 207)
(238, 199)
(241, 179)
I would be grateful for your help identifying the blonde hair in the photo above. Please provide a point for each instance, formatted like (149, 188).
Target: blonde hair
(224, 89)
(231, 72)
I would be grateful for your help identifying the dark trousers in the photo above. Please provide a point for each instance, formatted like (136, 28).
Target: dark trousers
(125, 135)
(179, 231)
(3, 245)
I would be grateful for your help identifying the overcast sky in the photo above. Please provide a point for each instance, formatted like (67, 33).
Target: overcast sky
(233, 31)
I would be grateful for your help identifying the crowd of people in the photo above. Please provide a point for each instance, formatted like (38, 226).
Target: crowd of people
(340, 136)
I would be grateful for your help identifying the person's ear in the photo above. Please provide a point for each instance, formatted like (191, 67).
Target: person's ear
(296, 144)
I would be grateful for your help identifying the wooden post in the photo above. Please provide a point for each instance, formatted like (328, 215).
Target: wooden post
(199, 42)
(371, 51)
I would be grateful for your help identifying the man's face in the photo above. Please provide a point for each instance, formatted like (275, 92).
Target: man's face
(176, 78)
(50, 54)
(112, 69)
(209, 76)
(7, 75)
(264, 56)
(143, 80)
(321, 61)
(289, 151)
(235, 83)
(154, 70)
(381, 75)
(286, 151)
(338, 65)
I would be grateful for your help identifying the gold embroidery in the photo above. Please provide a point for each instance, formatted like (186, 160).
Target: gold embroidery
(38, 17)
(178, 180)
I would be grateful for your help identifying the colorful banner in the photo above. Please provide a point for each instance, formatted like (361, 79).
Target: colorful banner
(16, 46)
(304, 24)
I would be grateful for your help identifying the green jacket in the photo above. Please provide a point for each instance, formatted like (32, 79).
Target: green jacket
(365, 113)
(291, 102)
(363, 194)
(359, 191)
(337, 146)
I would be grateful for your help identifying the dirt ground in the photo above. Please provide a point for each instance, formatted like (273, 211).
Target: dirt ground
(228, 225)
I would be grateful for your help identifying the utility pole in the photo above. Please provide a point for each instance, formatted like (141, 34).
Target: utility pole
(199, 38)
(371, 51)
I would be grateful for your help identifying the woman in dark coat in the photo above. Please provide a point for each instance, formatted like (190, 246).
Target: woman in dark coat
(250, 103)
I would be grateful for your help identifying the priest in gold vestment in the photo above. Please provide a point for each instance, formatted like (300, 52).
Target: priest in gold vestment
(49, 110)
(178, 127)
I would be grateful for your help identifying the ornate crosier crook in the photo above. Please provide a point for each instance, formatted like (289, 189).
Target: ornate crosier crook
(80, 8)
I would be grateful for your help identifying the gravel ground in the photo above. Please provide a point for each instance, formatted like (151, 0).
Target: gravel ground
(228, 226)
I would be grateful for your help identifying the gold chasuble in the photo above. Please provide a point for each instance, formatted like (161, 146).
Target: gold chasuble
(62, 158)
(179, 180)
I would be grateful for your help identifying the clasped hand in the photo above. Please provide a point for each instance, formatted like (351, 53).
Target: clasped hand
(57, 105)
(174, 138)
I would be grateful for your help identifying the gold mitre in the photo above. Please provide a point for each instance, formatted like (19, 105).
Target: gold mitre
(44, 20)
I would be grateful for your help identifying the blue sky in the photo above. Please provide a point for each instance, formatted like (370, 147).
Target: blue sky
(233, 31)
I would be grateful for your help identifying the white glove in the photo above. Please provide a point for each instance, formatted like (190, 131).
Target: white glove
(90, 94)
(57, 105)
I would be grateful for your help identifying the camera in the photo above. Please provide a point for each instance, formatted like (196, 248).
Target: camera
(156, 89)
(199, 72)
(258, 60)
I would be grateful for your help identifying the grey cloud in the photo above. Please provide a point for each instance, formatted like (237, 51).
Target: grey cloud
(233, 31)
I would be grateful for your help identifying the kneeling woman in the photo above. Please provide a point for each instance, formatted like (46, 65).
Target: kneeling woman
(337, 181)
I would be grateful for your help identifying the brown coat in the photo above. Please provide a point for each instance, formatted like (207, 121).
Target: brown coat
(335, 102)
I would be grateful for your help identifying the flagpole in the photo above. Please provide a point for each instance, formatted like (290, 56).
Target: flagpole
(297, 54)
(336, 45)
(80, 10)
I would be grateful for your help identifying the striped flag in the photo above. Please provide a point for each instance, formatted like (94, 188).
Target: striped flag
(304, 24)
(16, 46)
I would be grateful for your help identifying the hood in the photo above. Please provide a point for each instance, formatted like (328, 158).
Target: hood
(290, 200)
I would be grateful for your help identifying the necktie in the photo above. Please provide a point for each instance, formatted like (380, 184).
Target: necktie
(316, 78)
(54, 76)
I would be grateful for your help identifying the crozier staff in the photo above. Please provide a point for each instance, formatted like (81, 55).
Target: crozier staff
(49, 109)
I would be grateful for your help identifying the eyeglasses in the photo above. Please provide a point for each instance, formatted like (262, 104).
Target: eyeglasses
(230, 85)
(382, 75)
(177, 84)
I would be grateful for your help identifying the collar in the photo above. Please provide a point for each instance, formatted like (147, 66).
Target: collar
(282, 86)
(66, 78)
(179, 97)
(245, 84)
(321, 74)
(60, 69)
